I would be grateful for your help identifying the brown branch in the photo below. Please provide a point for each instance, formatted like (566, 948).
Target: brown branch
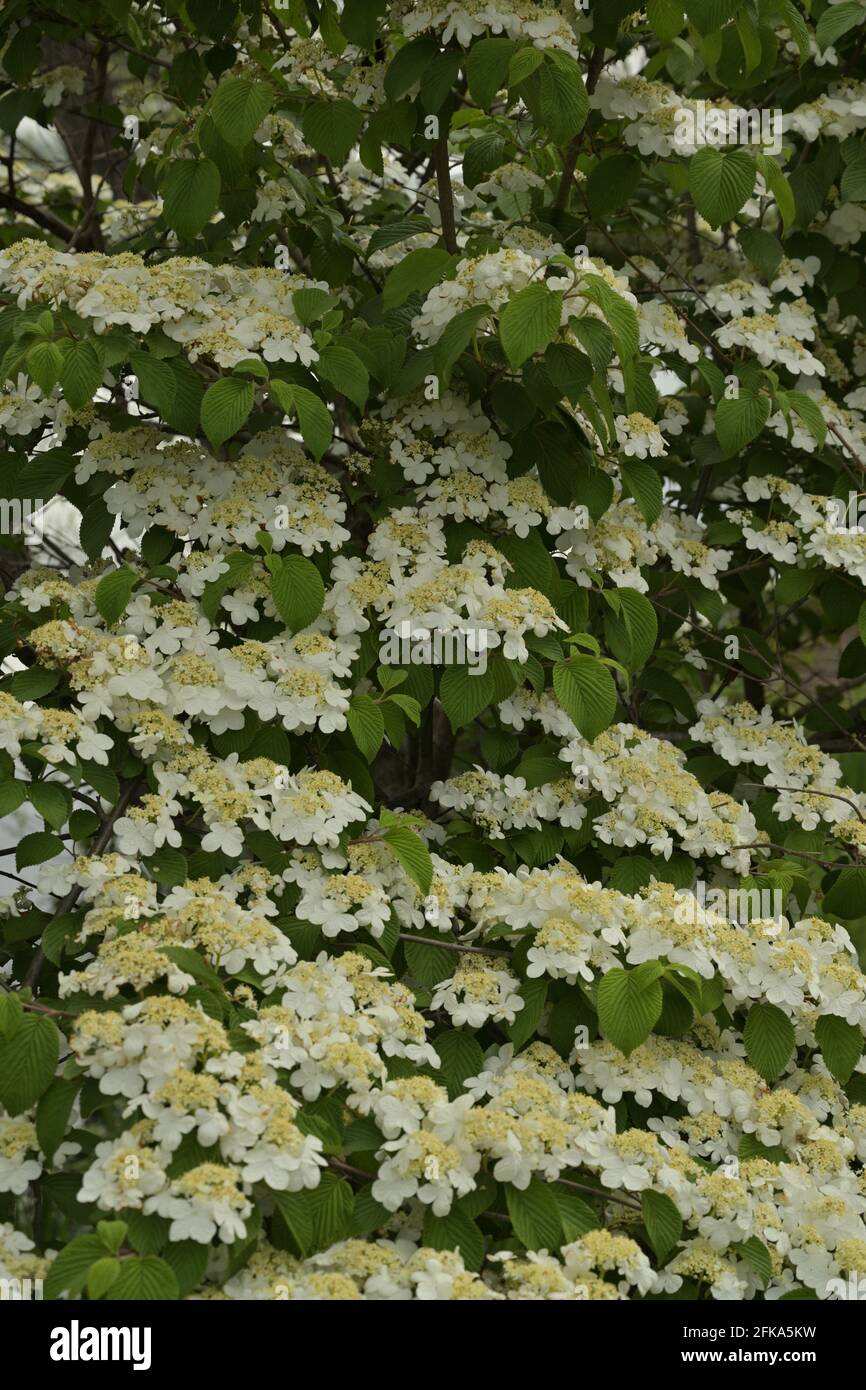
(451, 945)
(41, 216)
(446, 196)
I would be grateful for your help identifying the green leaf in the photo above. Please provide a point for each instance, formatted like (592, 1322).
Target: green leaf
(853, 186)
(332, 1205)
(762, 248)
(408, 705)
(564, 102)
(663, 1223)
(345, 370)
(112, 1234)
(779, 187)
(240, 567)
(409, 848)
(757, 1257)
(525, 1025)
(456, 337)
(183, 411)
(27, 1062)
(332, 128)
(168, 866)
(156, 380)
(314, 418)
(297, 591)
(629, 1005)
(841, 1045)
(190, 191)
(11, 796)
(52, 802)
(636, 629)
(225, 407)
(297, 1213)
(666, 18)
(460, 1054)
(576, 1215)
(113, 593)
(847, 897)
(33, 683)
(97, 524)
(463, 695)
(187, 1260)
(368, 1215)
(37, 848)
(193, 964)
(836, 21)
(456, 1231)
(429, 965)
(810, 413)
(612, 183)
(741, 420)
(366, 724)
(524, 63)
(238, 107)
(359, 21)
(486, 68)
(311, 305)
(44, 362)
(720, 183)
(43, 476)
(101, 1275)
(52, 1114)
(68, 1270)
(710, 15)
(417, 273)
(769, 1039)
(569, 370)
(528, 322)
(618, 312)
(145, 1277)
(585, 689)
(534, 1215)
(81, 373)
(798, 27)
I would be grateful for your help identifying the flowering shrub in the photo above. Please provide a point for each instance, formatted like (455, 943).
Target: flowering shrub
(529, 975)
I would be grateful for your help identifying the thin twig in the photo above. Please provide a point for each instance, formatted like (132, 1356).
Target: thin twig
(102, 839)
(452, 945)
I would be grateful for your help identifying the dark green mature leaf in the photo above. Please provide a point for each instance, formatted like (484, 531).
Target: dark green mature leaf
(585, 689)
(27, 1062)
(145, 1277)
(629, 1005)
(332, 127)
(841, 1045)
(663, 1223)
(225, 407)
(238, 107)
(769, 1039)
(535, 1215)
(413, 854)
(297, 590)
(456, 1231)
(190, 192)
(113, 593)
(417, 273)
(720, 183)
(528, 322)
